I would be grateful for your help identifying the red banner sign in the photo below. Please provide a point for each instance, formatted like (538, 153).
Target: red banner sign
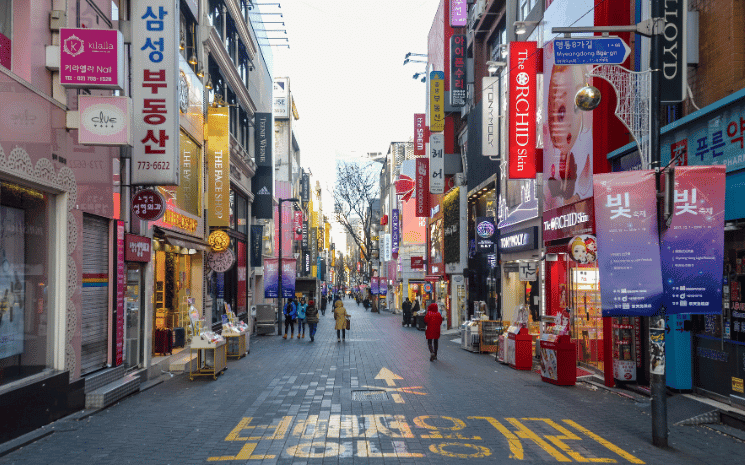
(136, 248)
(121, 289)
(417, 263)
(522, 108)
(422, 187)
(148, 205)
(420, 134)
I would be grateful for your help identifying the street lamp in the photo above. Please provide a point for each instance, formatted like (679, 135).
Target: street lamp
(279, 264)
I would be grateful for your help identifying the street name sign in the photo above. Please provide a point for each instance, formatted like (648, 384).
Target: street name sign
(591, 51)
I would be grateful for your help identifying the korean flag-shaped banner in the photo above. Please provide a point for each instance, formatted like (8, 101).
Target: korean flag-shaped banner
(628, 252)
(693, 244)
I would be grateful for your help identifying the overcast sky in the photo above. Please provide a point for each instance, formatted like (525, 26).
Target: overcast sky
(351, 89)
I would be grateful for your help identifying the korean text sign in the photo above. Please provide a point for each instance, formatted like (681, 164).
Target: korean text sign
(627, 243)
(458, 70)
(92, 58)
(458, 13)
(155, 92)
(693, 244)
(437, 163)
(436, 101)
(522, 110)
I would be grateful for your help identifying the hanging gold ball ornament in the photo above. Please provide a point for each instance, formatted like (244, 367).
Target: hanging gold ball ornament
(587, 98)
(219, 241)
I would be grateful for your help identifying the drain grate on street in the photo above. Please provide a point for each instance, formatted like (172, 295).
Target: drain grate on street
(369, 395)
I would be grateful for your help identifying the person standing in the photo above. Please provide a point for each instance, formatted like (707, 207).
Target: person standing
(290, 313)
(301, 308)
(414, 311)
(340, 315)
(433, 320)
(311, 317)
(406, 307)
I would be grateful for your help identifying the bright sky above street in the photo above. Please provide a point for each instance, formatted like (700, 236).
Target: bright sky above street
(351, 89)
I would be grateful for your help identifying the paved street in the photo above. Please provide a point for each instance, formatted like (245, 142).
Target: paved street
(375, 398)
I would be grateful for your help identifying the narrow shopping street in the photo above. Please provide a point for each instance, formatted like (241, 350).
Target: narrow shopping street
(374, 398)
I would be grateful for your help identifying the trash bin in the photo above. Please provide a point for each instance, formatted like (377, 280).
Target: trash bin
(420, 324)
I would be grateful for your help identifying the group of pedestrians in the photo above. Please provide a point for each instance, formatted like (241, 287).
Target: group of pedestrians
(307, 313)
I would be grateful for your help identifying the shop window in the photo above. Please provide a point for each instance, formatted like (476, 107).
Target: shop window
(216, 15)
(6, 31)
(238, 212)
(25, 338)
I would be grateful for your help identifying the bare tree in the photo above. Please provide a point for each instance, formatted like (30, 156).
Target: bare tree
(355, 194)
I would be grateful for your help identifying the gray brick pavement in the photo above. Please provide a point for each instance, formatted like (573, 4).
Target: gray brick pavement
(293, 400)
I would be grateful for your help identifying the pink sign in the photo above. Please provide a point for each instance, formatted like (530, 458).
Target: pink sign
(121, 287)
(91, 58)
(458, 13)
(104, 120)
(5, 54)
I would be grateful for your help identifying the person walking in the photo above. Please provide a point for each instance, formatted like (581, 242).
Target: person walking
(340, 315)
(414, 311)
(301, 309)
(311, 317)
(433, 320)
(406, 307)
(290, 312)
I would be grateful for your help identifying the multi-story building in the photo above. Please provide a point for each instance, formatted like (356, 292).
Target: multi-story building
(99, 286)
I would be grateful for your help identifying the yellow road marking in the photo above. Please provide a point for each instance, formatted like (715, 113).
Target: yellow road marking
(436, 434)
(481, 451)
(279, 430)
(307, 450)
(604, 442)
(366, 450)
(567, 435)
(516, 448)
(388, 376)
(246, 453)
(525, 433)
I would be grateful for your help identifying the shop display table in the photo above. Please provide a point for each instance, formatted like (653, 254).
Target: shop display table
(207, 351)
(558, 360)
(236, 344)
(519, 348)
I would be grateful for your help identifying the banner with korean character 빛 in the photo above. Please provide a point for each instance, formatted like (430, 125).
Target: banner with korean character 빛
(271, 278)
(693, 245)
(155, 155)
(628, 244)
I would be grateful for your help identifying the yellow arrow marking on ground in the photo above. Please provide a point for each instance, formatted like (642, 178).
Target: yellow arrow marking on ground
(388, 376)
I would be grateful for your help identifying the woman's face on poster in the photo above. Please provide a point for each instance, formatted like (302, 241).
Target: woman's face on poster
(564, 119)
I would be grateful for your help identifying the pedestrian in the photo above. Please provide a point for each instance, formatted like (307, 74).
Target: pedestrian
(433, 320)
(301, 309)
(414, 312)
(357, 299)
(323, 305)
(340, 315)
(311, 317)
(366, 303)
(406, 307)
(290, 312)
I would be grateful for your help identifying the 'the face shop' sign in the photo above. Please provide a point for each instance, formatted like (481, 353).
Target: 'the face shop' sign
(517, 241)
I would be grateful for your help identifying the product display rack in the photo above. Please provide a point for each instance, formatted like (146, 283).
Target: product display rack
(489, 331)
(219, 357)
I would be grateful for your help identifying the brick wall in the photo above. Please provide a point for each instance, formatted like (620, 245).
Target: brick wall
(721, 69)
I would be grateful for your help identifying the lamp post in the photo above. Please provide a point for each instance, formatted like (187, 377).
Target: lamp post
(279, 265)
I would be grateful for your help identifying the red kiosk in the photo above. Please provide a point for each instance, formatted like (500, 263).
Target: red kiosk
(519, 348)
(558, 355)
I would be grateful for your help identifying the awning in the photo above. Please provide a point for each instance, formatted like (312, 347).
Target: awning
(182, 240)
(433, 278)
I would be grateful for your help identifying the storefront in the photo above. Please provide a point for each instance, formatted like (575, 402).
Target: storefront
(137, 253)
(716, 343)
(521, 274)
(572, 286)
(484, 284)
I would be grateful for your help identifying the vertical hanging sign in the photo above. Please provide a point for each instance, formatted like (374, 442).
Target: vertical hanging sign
(422, 187)
(155, 155)
(490, 116)
(458, 70)
(262, 183)
(458, 13)
(522, 110)
(420, 126)
(436, 164)
(395, 231)
(436, 101)
(218, 166)
(674, 53)
(121, 289)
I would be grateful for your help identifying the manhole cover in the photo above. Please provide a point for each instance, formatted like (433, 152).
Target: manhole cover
(369, 395)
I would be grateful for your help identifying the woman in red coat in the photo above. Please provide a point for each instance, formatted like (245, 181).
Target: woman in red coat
(433, 320)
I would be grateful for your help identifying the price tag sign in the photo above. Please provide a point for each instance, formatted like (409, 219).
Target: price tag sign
(148, 205)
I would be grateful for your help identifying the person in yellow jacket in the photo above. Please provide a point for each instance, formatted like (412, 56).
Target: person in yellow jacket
(340, 315)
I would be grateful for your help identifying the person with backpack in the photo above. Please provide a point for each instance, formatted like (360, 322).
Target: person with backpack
(311, 317)
(290, 312)
(301, 309)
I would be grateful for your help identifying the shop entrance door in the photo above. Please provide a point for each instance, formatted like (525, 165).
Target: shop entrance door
(95, 308)
(133, 328)
(586, 314)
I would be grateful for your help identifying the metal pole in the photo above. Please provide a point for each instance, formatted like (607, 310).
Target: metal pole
(657, 381)
(279, 272)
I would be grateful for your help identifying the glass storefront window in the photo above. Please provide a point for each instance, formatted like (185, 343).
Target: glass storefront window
(587, 318)
(25, 338)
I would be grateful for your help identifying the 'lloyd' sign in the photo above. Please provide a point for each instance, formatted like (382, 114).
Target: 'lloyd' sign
(522, 110)
(673, 51)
